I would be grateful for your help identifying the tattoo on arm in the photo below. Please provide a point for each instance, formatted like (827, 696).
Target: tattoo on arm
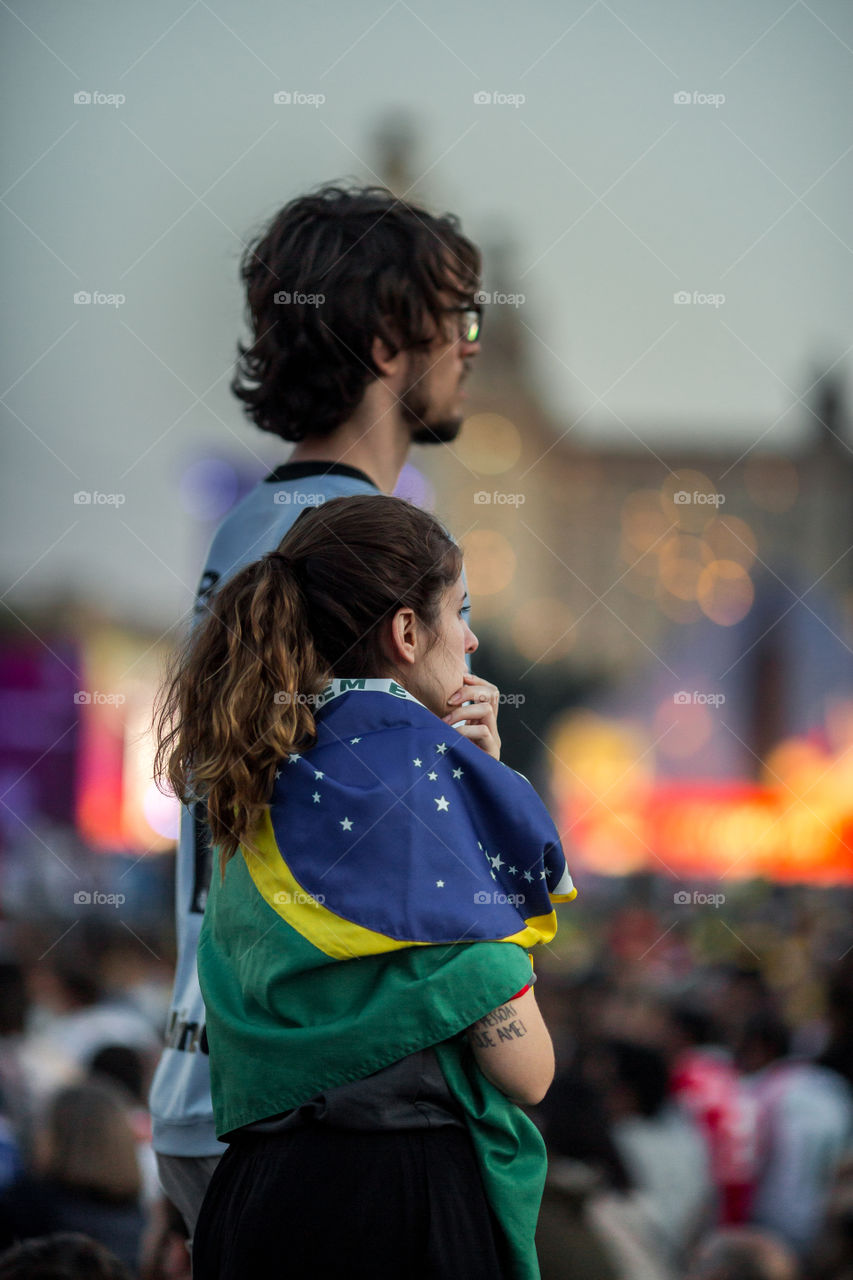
(504, 1025)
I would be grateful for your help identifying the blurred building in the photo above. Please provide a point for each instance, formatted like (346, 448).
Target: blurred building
(703, 594)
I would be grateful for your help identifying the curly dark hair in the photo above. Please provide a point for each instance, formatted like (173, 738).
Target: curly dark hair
(379, 266)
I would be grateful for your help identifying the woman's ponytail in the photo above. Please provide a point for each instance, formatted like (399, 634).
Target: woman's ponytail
(237, 700)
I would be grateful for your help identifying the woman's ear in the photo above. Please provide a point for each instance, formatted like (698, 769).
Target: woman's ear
(401, 637)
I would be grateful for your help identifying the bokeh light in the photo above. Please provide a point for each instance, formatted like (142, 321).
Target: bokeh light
(489, 562)
(725, 592)
(488, 443)
(544, 629)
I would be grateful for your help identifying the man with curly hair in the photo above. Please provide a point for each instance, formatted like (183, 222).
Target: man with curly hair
(364, 326)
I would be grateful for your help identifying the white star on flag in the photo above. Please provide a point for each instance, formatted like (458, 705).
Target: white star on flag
(292, 759)
(316, 797)
(441, 748)
(432, 775)
(528, 877)
(497, 862)
(443, 805)
(439, 884)
(513, 871)
(346, 823)
(417, 761)
(318, 773)
(277, 774)
(457, 773)
(353, 741)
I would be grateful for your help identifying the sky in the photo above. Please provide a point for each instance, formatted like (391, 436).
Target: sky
(629, 153)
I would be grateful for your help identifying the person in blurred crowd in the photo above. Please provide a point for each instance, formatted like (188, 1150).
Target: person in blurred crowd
(364, 327)
(76, 1016)
(738, 1253)
(660, 1145)
(64, 1256)
(164, 1254)
(126, 1067)
(704, 1081)
(593, 1221)
(832, 1255)
(837, 1053)
(86, 1174)
(17, 1103)
(804, 1125)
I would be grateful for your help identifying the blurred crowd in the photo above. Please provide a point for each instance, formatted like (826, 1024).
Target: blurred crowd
(700, 1126)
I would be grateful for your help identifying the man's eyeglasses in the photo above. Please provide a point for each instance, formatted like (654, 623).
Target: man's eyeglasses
(470, 321)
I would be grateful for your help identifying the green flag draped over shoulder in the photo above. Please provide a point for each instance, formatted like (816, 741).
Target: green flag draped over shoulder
(306, 990)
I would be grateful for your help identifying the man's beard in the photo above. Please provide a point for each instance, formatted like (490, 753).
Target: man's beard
(417, 412)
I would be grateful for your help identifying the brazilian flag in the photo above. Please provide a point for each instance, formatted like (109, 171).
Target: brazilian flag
(389, 900)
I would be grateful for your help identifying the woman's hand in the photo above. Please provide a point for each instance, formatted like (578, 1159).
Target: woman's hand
(480, 716)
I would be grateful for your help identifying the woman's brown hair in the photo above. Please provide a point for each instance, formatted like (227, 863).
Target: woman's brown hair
(239, 697)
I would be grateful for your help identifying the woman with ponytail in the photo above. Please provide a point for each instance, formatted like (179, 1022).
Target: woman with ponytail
(379, 879)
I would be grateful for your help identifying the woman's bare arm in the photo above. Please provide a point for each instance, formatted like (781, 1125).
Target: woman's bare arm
(513, 1049)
